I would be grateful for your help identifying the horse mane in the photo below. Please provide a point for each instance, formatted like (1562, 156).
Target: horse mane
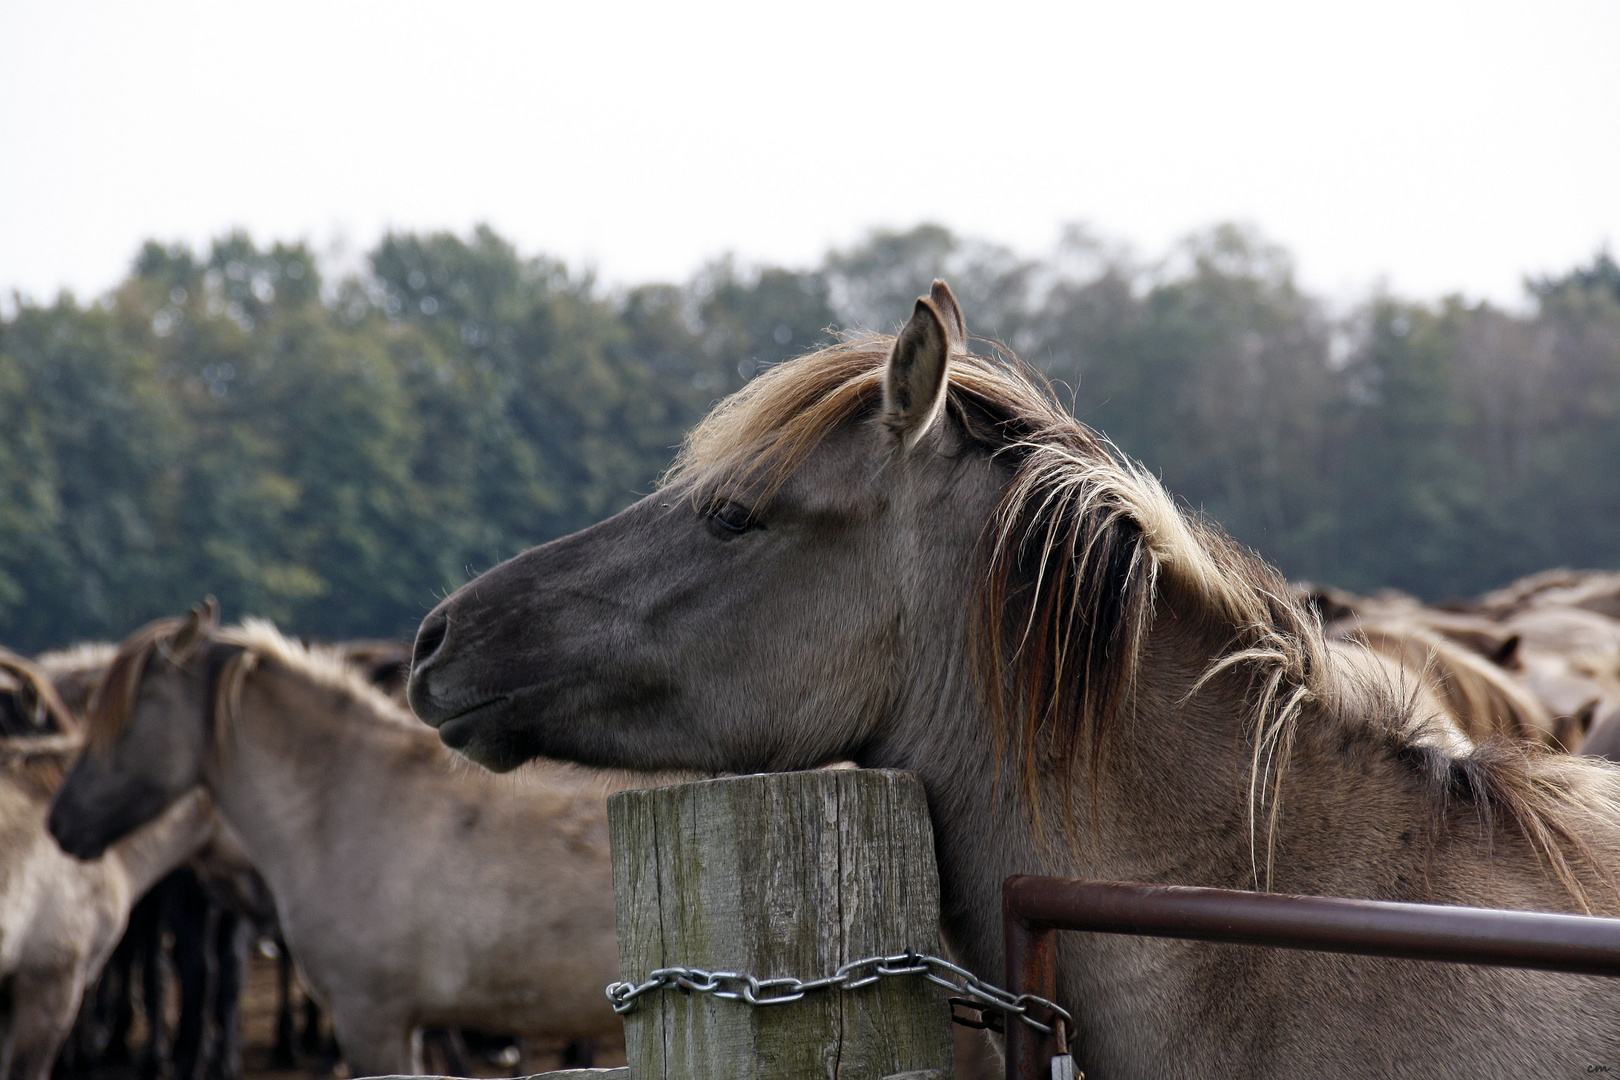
(32, 678)
(84, 656)
(74, 671)
(1075, 557)
(259, 640)
(245, 646)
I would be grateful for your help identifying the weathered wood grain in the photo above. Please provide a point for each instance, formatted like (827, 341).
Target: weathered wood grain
(785, 874)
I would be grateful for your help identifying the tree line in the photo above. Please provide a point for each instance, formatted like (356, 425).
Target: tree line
(336, 455)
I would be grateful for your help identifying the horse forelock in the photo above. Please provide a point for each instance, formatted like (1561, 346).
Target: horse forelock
(763, 432)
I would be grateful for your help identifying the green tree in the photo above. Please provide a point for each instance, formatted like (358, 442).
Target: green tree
(90, 455)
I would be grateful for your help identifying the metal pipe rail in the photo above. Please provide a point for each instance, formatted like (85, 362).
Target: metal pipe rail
(1034, 908)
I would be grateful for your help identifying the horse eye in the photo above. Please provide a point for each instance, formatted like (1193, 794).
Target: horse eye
(733, 517)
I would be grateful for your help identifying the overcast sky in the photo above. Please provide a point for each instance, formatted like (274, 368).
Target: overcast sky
(1437, 147)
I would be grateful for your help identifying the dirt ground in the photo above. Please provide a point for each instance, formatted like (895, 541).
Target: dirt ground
(261, 999)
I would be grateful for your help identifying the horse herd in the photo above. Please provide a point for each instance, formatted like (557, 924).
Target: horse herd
(893, 553)
(414, 894)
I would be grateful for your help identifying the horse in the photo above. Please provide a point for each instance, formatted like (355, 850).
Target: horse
(1592, 590)
(191, 926)
(905, 554)
(59, 917)
(413, 892)
(209, 936)
(1545, 669)
(1481, 698)
(1342, 611)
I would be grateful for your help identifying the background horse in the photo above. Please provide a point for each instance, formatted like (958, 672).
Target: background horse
(412, 891)
(59, 917)
(1547, 640)
(898, 553)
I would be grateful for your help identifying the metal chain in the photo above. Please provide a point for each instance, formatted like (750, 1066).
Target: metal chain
(738, 986)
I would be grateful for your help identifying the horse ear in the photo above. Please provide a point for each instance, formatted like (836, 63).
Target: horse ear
(945, 301)
(1586, 714)
(918, 372)
(202, 617)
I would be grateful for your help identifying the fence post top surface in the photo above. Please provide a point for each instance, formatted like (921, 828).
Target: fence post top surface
(823, 776)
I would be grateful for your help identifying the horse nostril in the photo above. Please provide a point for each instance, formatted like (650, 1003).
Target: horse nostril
(429, 638)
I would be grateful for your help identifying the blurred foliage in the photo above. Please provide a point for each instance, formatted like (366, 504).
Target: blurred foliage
(337, 455)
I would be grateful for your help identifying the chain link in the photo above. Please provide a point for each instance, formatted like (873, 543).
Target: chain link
(739, 986)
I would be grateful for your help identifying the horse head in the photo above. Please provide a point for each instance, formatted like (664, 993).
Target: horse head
(147, 733)
(771, 607)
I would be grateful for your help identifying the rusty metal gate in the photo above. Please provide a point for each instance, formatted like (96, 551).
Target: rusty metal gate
(1035, 908)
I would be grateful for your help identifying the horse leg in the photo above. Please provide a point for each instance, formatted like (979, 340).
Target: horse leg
(311, 1042)
(83, 1048)
(8, 1022)
(150, 959)
(450, 1048)
(188, 916)
(232, 942)
(282, 1054)
(115, 1006)
(141, 939)
(108, 1008)
(375, 1044)
(42, 1008)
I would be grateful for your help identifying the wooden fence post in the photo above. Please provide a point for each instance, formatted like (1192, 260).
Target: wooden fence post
(782, 874)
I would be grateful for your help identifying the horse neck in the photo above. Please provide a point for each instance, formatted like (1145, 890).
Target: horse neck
(1177, 803)
(1172, 806)
(170, 839)
(292, 750)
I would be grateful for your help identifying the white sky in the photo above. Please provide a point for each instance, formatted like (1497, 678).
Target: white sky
(1437, 146)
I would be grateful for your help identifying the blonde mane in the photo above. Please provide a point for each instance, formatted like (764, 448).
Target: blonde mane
(85, 656)
(323, 665)
(255, 641)
(1076, 555)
